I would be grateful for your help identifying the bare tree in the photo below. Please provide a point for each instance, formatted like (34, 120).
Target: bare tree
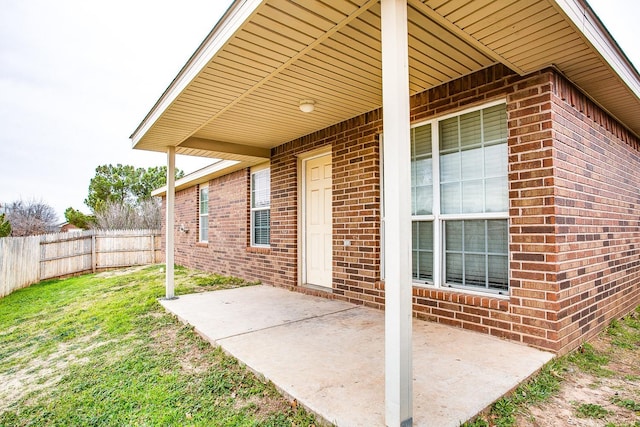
(30, 218)
(117, 215)
(150, 213)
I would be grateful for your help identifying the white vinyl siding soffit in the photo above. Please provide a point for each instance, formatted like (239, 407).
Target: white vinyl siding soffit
(460, 200)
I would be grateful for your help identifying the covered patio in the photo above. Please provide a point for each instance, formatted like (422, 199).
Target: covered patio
(329, 355)
(272, 71)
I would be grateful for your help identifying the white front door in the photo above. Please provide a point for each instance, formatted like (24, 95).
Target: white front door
(318, 221)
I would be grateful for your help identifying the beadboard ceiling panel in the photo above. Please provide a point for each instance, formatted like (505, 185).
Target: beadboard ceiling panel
(244, 84)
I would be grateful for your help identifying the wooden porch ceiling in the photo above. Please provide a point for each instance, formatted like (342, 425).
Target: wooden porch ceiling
(239, 95)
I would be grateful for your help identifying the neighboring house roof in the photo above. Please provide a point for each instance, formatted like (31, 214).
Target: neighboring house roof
(238, 95)
(67, 226)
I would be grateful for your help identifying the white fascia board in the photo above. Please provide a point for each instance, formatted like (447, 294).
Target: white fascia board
(197, 176)
(232, 21)
(593, 30)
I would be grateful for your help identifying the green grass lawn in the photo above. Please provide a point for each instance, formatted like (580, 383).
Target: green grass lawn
(100, 350)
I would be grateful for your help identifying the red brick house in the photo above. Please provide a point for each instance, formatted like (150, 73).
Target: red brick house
(502, 195)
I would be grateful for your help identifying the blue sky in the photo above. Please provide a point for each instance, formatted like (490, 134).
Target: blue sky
(78, 76)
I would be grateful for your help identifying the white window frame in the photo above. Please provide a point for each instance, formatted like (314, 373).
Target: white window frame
(203, 218)
(438, 220)
(255, 170)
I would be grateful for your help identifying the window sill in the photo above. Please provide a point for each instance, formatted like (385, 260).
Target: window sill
(462, 296)
(202, 244)
(467, 291)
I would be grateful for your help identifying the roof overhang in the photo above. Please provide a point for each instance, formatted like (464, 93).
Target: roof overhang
(204, 175)
(238, 95)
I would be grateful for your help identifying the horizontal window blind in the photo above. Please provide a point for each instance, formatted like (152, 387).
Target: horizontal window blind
(261, 208)
(472, 168)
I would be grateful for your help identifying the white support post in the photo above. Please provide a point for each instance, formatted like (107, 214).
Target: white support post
(170, 220)
(397, 208)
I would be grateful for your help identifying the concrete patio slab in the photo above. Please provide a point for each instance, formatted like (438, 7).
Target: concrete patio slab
(229, 312)
(329, 355)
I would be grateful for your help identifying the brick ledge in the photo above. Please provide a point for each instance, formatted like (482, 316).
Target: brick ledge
(456, 296)
(255, 250)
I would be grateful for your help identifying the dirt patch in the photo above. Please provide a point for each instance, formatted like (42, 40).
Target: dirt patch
(166, 339)
(43, 372)
(37, 374)
(121, 271)
(262, 406)
(584, 389)
(591, 399)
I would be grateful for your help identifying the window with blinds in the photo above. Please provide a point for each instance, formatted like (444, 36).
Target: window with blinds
(473, 162)
(203, 213)
(460, 200)
(422, 203)
(261, 207)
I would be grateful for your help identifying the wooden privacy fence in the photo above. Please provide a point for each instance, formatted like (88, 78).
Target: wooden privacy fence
(28, 260)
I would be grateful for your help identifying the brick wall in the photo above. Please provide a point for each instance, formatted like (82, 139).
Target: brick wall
(523, 316)
(356, 207)
(228, 248)
(597, 199)
(574, 232)
(574, 213)
(533, 266)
